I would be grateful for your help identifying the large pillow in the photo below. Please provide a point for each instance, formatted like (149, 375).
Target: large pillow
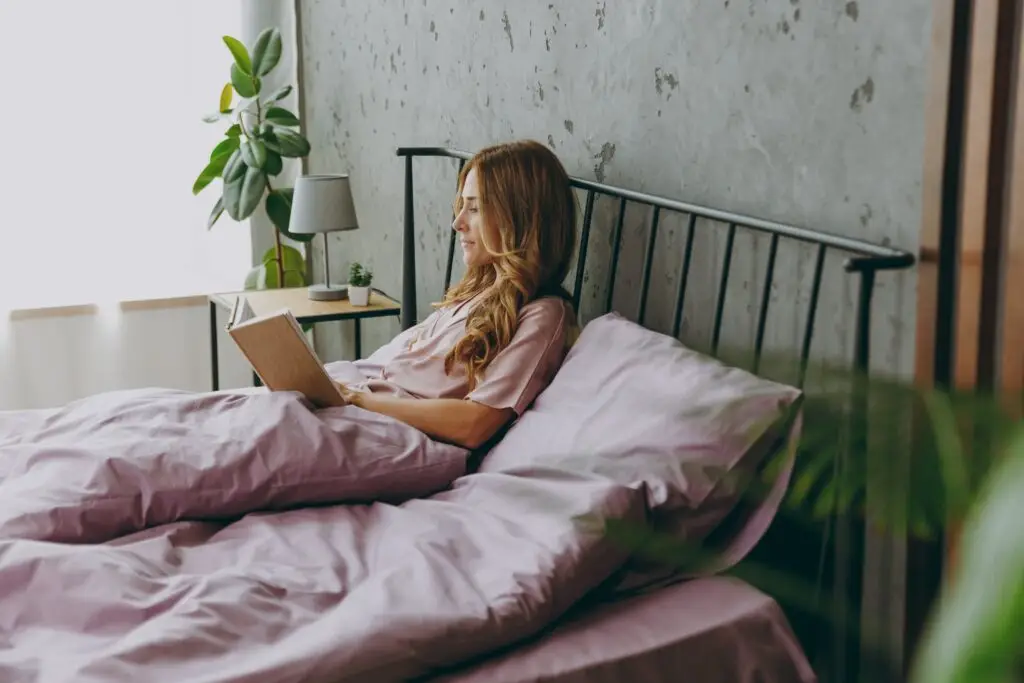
(643, 409)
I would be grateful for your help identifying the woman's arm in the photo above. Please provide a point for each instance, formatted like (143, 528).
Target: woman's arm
(461, 422)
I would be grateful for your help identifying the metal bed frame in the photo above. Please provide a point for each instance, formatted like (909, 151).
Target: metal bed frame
(864, 260)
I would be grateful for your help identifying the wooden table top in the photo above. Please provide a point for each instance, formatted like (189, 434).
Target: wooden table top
(305, 309)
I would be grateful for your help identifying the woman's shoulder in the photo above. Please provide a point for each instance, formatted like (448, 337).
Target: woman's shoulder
(551, 316)
(548, 307)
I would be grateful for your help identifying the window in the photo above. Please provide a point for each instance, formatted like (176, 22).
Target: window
(103, 137)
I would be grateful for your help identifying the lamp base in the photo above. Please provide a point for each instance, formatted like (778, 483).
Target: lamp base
(327, 292)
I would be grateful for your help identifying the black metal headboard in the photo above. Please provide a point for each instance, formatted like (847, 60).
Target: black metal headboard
(864, 258)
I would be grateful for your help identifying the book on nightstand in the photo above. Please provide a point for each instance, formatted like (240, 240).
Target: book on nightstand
(281, 355)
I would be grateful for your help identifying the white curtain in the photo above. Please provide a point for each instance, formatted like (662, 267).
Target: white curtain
(103, 138)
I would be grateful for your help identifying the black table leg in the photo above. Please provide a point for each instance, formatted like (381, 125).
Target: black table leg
(214, 360)
(359, 339)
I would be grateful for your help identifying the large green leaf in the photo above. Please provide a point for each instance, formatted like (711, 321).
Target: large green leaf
(254, 152)
(215, 213)
(264, 276)
(235, 167)
(292, 258)
(234, 131)
(253, 187)
(279, 116)
(266, 51)
(279, 210)
(279, 94)
(978, 629)
(242, 194)
(213, 170)
(232, 194)
(253, 277)
(225, 99)
(287, 143)
(274, 163)
(240, 53)
(245, 85)
(224, 147)
(292, 278)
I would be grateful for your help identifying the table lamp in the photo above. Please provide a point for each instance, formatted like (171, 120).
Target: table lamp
(323, 204)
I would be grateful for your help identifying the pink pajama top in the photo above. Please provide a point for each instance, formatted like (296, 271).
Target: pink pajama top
(412, 364)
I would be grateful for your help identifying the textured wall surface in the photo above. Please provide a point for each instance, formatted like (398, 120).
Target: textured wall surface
(802, 111)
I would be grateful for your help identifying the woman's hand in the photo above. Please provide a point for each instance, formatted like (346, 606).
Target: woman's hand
(350, 396)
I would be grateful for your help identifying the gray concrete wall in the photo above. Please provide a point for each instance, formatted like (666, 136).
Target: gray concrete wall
(803, 111)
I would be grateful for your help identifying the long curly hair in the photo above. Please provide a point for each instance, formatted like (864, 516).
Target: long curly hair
(526, 195)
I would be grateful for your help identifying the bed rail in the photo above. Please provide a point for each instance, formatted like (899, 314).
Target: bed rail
(864, 258)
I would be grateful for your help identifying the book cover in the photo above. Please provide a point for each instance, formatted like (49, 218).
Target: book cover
(279, 352)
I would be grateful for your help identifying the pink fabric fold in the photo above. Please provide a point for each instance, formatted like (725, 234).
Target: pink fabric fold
(120, 462)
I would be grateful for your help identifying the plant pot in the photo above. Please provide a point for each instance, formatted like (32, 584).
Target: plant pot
(359, 296)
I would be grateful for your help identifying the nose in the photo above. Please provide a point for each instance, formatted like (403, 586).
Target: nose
(459, 224)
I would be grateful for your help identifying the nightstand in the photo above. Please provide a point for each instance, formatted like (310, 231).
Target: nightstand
(303, 308)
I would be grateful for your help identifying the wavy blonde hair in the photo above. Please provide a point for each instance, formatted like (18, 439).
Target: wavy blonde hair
(526, 198)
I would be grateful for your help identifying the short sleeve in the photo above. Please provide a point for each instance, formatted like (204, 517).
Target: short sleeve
(525, 367)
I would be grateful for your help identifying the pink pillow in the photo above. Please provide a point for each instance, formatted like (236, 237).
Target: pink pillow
(640, 408)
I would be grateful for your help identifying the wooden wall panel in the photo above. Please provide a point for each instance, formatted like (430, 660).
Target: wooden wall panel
(1011, 335)
(971, 277)
(975, 174)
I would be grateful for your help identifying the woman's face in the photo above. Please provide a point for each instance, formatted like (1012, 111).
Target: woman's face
(469, 223)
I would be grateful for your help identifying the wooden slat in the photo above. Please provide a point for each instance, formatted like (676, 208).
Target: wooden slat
(1011, 342)
(975, 177)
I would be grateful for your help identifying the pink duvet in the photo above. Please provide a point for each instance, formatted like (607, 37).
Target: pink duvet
(163, 536)
(123, 461)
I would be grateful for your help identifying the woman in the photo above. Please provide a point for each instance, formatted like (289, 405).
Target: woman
(500, 334)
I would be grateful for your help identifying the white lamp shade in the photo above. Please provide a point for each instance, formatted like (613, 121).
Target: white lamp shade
(322, 203)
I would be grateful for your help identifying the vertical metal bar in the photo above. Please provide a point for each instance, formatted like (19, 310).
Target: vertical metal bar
(327, 263)
(214, 355)
(762, 316)
(805, 349)
(862, 345)
(408, 253)
(722, 286)
(451, 260)
(451, 241)
(645, 283)
(846, 576)
(358, 338)
(614, 265)
(684, 276)
(581, 262)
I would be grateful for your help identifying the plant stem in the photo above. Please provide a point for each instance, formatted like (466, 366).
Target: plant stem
(278, 251)
(277, 247)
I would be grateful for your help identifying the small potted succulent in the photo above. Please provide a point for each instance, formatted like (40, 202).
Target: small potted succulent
(359, 279)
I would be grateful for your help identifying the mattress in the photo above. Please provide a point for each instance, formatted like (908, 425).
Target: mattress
(708, 630)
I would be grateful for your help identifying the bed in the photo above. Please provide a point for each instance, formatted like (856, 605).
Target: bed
(664, 630)
(239, 535)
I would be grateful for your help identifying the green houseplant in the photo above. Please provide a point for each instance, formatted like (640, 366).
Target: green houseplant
(359, 279)
(260, 135)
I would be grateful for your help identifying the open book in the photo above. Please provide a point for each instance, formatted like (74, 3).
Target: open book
(279, 352)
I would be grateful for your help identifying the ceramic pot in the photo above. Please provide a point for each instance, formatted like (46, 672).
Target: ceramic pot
(359, 296)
